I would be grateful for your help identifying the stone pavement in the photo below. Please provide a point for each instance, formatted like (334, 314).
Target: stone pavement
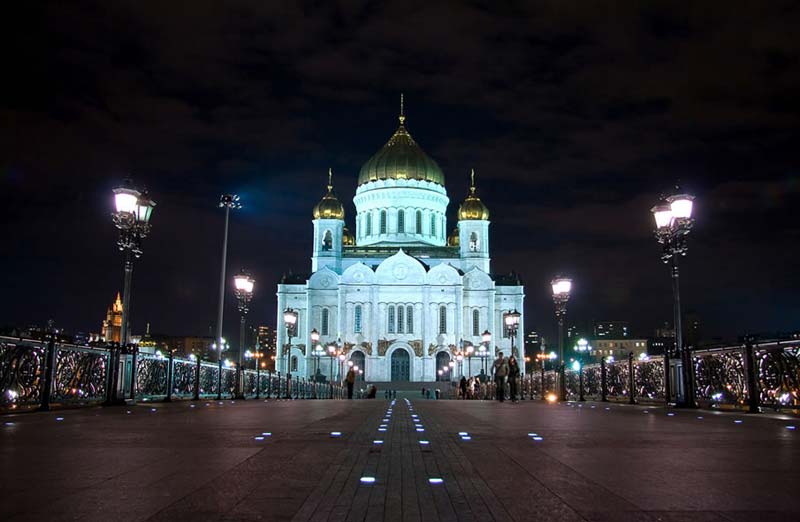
(277, 460)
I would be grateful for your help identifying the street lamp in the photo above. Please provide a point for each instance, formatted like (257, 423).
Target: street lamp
(228, 202)
(290, 321)
(243, 289)
(470, 352)
(511, 323)
(331, 355)
(673, 217)
(486, 337)
(133, 210)
(315, 351)
(562, 286)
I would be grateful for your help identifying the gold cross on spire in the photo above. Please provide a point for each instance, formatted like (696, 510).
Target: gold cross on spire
(330, 178)
(402, 112)
(471, 181)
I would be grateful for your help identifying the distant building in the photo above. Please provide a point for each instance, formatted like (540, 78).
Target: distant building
(665, 331)
(533, 344)
(619, 348)
(183, 346)
(112, 324)
(610, 329)
(660, 345)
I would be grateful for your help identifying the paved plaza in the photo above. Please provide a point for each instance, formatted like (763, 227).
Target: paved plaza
(278, 460)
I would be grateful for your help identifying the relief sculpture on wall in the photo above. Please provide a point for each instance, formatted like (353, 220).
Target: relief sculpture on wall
(416, 344)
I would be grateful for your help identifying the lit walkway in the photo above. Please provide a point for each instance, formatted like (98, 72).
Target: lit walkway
(203, 461)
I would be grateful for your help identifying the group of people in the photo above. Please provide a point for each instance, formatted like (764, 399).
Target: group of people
(506, 371)
(506, 374)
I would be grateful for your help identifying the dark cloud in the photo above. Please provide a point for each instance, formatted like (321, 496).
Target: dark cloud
(575, 116)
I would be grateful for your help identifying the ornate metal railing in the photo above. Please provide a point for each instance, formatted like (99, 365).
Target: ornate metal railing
(79, 375)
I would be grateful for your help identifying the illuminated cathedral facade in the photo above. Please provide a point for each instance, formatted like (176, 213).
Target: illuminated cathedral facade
(399, 298)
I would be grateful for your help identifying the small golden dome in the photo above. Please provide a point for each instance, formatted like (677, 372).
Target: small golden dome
(329, 206)
(473, 207)
(347, 238)
(454, 239)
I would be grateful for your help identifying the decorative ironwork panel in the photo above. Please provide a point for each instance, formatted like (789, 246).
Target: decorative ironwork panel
(536, 384)
(20, 375)
(228, 381)
(592, 381)
(571, 378)
(80, 375)
(208, 379)
(550, 380)
(617, 380)
(151, 376)
(183, 374)
(720, 378)
(649, 379)
(779, 377)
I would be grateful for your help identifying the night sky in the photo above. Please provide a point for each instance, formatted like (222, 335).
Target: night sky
(574, 115)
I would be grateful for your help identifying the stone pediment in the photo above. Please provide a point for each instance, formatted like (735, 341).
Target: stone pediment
(400, 269)
(358, 273)
(477, 279)
(443, 274)
(323, 279)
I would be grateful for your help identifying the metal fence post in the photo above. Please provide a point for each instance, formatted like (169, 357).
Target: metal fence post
(631, 380)
(753, 394)
(667, 383)
(580, 384)
(603, 380)
(170, 369)
(49, 371)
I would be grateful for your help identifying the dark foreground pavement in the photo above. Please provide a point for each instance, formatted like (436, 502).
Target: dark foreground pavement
(202, 461)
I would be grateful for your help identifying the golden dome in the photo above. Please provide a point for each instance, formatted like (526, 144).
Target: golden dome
(453, 239)
(329, 206)
(347, 238)
(473, 207)
(401, 158)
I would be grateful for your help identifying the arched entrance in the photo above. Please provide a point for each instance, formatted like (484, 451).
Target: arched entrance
(401, 365)
(442, 361)
(358, 360)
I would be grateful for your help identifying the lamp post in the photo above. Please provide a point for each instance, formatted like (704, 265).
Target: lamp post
(315, 351)
(511, 323)
(290, 321)
(486, 337)
(243, 289)
(673, 218)
(470, 352)
(228, 202)
(562, 286)
(331, 355)
(133, 210)
(342, 358)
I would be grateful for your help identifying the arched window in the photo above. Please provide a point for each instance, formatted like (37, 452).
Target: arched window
(390, 328)
(442, 319)
(419, 222)
(410, 319)
(325, 321)
(401, 221)
(357, 319)
(400, 322)
(293, 366)
(473, 242)
(368, 226)
(327, 240)
(476, 322)
(433, 224)
(383, 222)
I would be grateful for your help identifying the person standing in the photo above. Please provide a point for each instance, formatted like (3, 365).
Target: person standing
(513, 377)
(462, 384)
(500, 370)
(351, 380)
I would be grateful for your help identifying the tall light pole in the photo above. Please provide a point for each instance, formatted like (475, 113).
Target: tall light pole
(562, 286)
(470, 351)
(228, 202)
(674, 221)
(243, 289)
(132, 217)
(290, 321)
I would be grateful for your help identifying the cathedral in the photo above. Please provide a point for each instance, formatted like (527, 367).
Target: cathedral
(399, 298)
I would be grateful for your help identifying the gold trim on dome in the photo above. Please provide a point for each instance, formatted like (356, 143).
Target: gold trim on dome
(329, 206)
(473, 208)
